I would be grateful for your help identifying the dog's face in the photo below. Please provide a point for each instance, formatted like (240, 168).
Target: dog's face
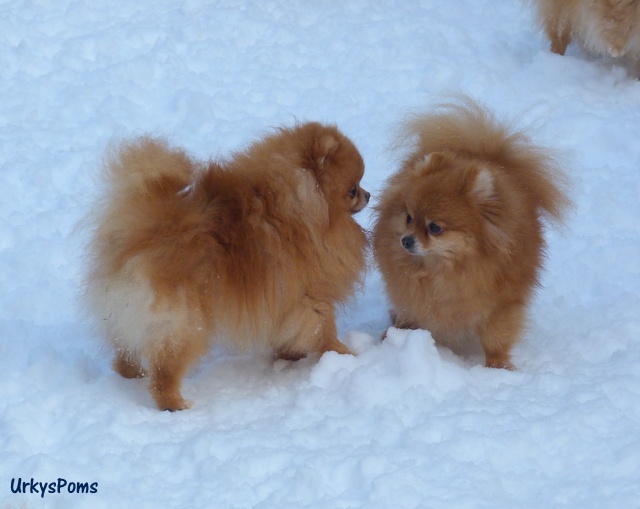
(357, 198)
(438, 213)
(338, 167)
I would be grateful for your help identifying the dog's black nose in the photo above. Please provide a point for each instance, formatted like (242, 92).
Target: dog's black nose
(408, 242)
(367, 195)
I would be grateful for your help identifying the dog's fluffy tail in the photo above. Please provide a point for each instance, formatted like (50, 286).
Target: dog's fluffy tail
(466, 128)
(138, 166)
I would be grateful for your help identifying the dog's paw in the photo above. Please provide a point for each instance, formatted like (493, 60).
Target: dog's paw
(501, 364)
(183, 404)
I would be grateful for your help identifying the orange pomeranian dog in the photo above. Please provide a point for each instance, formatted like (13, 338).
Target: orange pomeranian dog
(256, 250)
(603, 27)
(458, 236)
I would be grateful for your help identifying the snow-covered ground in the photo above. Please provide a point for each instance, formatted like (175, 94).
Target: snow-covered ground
(402, 425)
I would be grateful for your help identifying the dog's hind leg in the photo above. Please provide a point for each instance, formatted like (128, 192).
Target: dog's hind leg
(168, 366)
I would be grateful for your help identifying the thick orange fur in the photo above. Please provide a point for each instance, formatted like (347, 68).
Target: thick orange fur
(602, 27)
(255, 251)
(459, 237)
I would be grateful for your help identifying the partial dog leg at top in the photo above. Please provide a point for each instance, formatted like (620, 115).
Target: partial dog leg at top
(559, 35)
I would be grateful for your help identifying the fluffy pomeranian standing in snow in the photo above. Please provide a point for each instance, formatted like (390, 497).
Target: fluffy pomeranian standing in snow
(603, 27)
(256, 250)
(459, 233)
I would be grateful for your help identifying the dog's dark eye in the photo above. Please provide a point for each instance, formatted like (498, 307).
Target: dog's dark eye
(354, 192)
(409, 219)
(434, 229)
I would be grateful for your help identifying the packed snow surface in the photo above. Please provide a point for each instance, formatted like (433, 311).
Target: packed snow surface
(402, 425)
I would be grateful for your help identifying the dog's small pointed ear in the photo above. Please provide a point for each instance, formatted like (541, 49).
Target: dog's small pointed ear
(484, 187)
(328, 146)
(430, 162)
(434, 159)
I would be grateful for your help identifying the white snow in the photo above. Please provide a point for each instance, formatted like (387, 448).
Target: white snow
(403, 424)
